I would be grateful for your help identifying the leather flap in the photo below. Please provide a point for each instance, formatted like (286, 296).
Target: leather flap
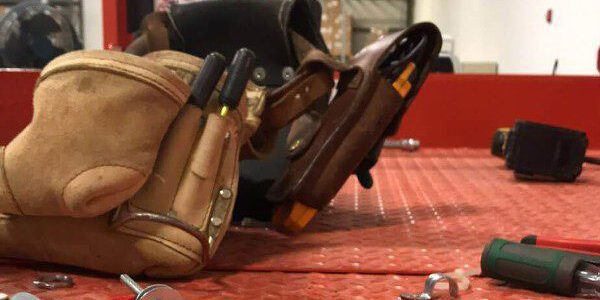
(302, 132)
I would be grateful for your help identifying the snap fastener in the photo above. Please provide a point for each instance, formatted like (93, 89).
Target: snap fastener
(259, 74)
(225, 193)
(287, 73)
(216, 221)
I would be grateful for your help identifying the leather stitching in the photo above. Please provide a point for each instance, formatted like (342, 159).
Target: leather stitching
(12, 195)
(138, 231)
(126, 73)
(131, 73)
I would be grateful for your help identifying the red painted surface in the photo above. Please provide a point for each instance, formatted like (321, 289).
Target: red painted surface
(465, 110)
(549, 16)
(450, 111)
(114, 19)
(16, 109)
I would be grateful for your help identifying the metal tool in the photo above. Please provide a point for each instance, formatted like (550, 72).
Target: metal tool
(204, 84)
(430, 283)
(542, 269)
(53, 281)
(589, 247)
(153, 292)
(237, 79)
(404, 144)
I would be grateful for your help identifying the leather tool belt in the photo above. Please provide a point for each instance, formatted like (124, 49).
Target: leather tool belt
(296, 38)
(118, 172)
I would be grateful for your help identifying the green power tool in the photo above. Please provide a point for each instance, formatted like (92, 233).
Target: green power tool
(542, 269)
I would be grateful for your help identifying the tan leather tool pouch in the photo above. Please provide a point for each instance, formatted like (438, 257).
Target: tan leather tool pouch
(173, 225)
(187, 204)
(99, 118)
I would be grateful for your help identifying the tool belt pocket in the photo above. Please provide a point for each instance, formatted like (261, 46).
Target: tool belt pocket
(192, 198)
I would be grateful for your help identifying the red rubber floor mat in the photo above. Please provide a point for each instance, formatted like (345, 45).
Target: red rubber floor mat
(429, 211)
(259, 285)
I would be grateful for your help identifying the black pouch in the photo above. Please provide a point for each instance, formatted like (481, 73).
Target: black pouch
(224, 26)
(541, 152)
(262, 26)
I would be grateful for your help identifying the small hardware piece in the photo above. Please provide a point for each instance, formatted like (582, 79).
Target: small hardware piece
(53, 281)
(153, 292)
(430, 283)
(409, 145)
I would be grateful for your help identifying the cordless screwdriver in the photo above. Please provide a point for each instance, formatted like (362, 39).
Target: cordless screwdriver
(542, 269)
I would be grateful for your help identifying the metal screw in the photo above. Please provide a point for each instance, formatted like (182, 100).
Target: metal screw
(405, 144)
(225, 193)
(410, 144)
(216, 221)
(153, 292)
(131, 284)
(259, 74)
(287, 73)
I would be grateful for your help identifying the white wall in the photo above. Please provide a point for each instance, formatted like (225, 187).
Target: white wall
(92, 24)
(515, 33)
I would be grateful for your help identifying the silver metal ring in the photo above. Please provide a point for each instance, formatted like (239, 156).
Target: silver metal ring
(53, 281)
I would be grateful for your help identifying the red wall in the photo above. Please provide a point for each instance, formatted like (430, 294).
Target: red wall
(114, 18)
(450, 111)
(465, 110)
(16, 92)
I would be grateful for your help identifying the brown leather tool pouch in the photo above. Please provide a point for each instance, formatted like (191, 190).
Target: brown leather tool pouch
(325, 149)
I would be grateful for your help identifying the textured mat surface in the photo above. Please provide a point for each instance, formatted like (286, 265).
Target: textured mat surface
(259, 285)
(428, 211)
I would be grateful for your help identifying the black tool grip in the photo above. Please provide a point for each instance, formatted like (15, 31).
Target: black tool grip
(237, 78)
(206, 81)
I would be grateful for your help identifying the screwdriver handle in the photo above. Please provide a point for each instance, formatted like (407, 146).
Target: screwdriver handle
(237, 78)
(541, 269)
(206, 81)
(589, 247)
